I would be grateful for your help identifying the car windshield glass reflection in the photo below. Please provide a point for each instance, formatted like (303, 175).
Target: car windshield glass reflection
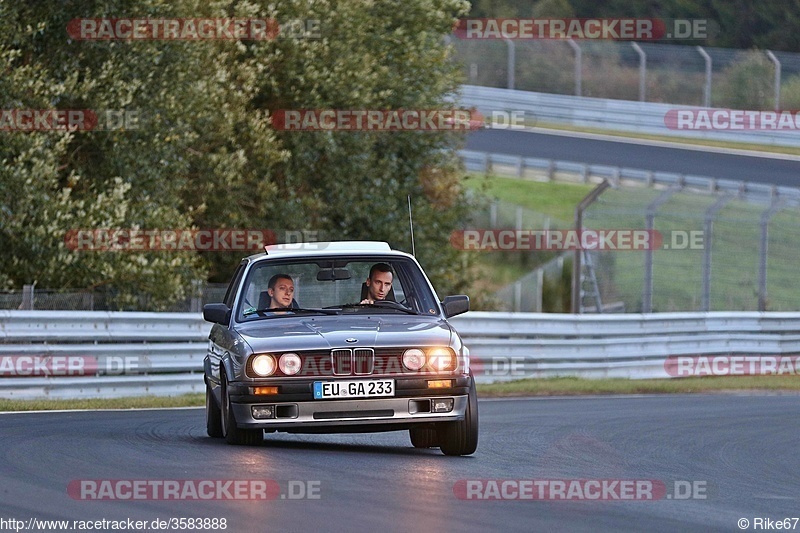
(340, 285)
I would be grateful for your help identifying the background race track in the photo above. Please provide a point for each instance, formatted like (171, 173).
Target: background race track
(775, 169)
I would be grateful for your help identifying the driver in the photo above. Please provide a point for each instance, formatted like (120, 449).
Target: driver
(378, 283)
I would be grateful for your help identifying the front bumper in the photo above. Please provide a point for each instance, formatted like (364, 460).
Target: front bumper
(384, 414)
(296, 409)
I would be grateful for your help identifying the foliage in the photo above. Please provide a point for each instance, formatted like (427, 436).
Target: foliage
(747, 84)
(204, 154)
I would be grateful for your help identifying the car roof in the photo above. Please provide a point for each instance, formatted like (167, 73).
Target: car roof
(316, 249)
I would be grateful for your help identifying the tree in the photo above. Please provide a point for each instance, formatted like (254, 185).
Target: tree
(204, 154)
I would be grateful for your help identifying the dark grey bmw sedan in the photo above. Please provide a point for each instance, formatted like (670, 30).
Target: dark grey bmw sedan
(338, 337)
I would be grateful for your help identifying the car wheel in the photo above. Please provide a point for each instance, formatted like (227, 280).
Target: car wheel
(461, 437)
(232, 433)
(424, 437)
(213, 415)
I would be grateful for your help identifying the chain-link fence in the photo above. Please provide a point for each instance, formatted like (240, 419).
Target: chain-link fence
(33, 298)
(651, 72)
(717, 251)
(541, 279)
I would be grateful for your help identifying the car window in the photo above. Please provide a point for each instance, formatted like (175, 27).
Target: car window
(230, 294)
(335, 283)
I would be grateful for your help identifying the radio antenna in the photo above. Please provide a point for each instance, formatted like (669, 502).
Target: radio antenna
(411, 223)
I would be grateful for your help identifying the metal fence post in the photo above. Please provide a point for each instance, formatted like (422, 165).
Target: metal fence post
(711, 213)
(512, 63)
(777, 63)
(196, 304)
(576, 262)
(642, 70)
(27, 297)
(650, 218)
(707, 90)
(766, 216)
(539, 290)
(578, 66)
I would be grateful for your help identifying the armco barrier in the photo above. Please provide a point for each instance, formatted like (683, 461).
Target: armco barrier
(167, 349)
(605, 113)
(538, 169)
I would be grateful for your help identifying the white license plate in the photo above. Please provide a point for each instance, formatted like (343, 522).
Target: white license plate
(324, 390)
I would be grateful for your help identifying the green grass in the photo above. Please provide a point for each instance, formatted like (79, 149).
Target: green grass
(527, 387)
(556, 200)
(540, 201)
(139, 402)
(677, 274)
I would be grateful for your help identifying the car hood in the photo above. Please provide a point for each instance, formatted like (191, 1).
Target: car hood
(323, 333)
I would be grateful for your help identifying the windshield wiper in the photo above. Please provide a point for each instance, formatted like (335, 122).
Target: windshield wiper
(288, 310)
(385, 304)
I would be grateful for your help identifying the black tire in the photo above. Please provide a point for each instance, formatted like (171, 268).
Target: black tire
(232, 433)
(461, 437)
(213, 415)
(424, 437)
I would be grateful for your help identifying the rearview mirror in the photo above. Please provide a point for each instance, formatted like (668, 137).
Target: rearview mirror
(333, 274)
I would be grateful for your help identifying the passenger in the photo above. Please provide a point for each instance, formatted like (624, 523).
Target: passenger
(281, 291)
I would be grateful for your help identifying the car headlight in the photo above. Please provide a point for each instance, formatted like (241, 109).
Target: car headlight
(414, 359)
(263, 365)
(290, 364)
(441, 359)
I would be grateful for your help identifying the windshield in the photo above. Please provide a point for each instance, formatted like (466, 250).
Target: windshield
(337, 285)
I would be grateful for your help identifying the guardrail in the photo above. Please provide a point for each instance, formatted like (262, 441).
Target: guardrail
(133, 354)
(621, 115)
(553, 170)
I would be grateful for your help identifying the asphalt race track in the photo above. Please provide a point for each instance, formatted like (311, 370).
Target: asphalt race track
(771, 170)
(739, 450)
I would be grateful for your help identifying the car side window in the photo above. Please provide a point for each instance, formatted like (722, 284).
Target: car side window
(230, 294)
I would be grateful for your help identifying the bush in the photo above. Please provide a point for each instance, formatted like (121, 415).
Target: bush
(747, 84)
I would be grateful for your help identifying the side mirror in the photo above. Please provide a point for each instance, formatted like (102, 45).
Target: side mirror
(455, 305)
(217, 313)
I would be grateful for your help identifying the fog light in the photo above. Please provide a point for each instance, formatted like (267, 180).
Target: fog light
(442, 405)
(440, 384)
(265, 390)
(263, 411)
